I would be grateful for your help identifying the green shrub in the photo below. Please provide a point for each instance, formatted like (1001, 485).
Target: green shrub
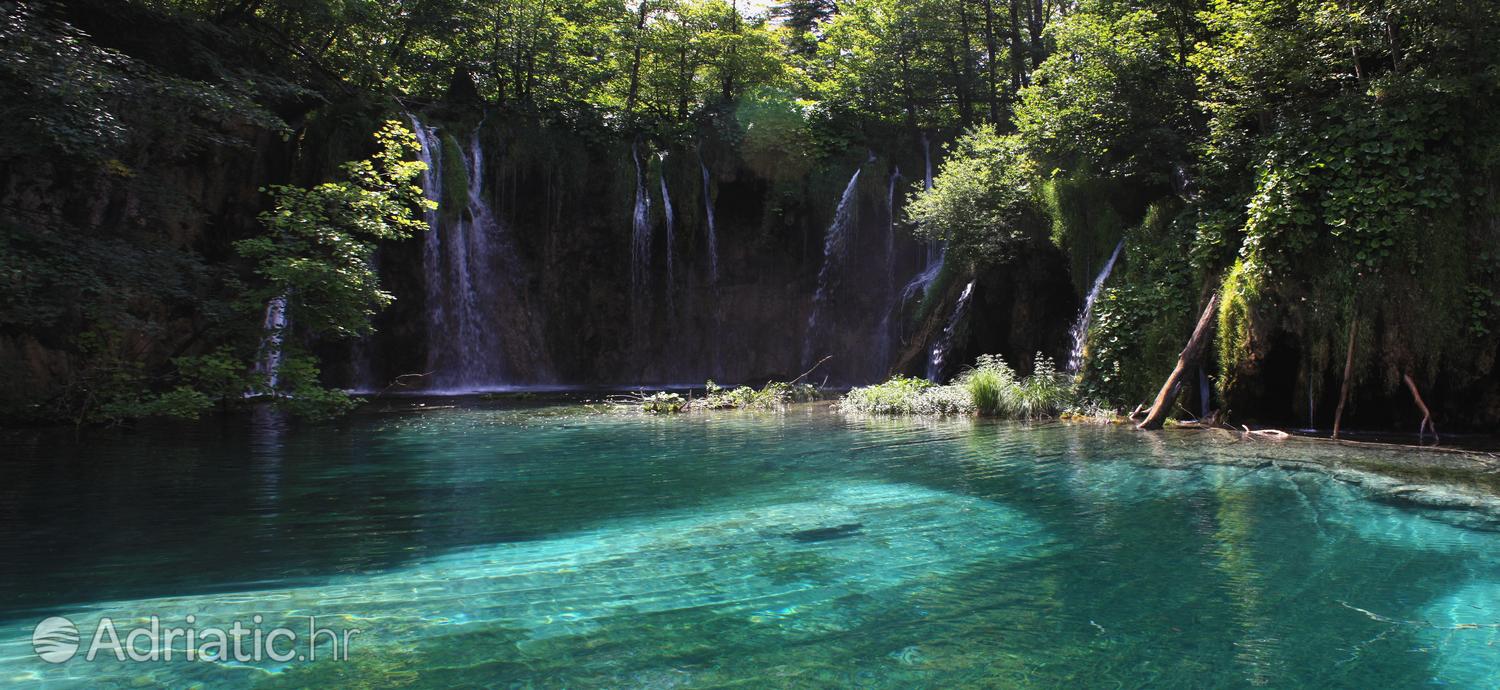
(990, 388)
(900, 395)
(1045, 393)
(302, 394)
(991, 385)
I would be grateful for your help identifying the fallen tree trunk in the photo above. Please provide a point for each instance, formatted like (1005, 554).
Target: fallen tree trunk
(1185, 363)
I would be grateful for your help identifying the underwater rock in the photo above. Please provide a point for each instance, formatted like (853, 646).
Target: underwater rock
(826, 533)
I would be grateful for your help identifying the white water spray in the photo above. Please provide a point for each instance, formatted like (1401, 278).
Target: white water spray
(713, 231)
(835, 248)
(1080, 332)
(274, 325)
(938, 361)
(666, 206)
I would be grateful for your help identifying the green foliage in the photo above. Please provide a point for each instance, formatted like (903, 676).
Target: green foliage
(220, 375)
(1115, 98)
(990, 388)
(773, 396)
(991, 385)
(455, 183)
(907, 396)
(1235, 333)
(53, 277)
(319, 241)
(663, 403)
(61, 93)
(1045, 393)
(774, 137)
(982, 202)
(302, 394)
(1084, 222)
(1355, 183)
(1145, 315)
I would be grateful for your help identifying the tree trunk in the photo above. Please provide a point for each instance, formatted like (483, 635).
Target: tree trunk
(1426, 413)
(1338, 413)
(990, 52)
(1034, 25)
(1185, 363)
(965, 98)
(635, 60)
(1017, 58)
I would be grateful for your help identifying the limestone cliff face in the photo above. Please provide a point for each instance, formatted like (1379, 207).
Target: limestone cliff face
(733, 302)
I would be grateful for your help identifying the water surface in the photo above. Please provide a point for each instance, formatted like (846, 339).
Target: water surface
(553, 546)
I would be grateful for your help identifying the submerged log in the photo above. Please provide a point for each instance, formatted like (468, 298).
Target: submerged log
(1338, 414)
(1185, 363)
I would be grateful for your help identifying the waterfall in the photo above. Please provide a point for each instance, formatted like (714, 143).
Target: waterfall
(835, 246)
(940, 351)
(936, 251)
(1203, 398)
(890, 229)
(1312, 417)
(479, 333)
(268, 362)
(927, 161)
(666, 207)
(713, 269)
(1080, 330)
(713, 232)
(640, 238)
(432, 248)
(884, 335)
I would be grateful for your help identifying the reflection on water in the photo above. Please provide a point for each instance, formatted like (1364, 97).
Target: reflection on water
(556, 547)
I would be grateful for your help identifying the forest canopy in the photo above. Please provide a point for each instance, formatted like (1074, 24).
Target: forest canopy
(1327, 168)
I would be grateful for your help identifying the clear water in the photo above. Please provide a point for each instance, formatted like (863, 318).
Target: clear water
(558, 547)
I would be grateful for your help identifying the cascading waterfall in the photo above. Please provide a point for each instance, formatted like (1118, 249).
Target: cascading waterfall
(274, 325)
(671, 238)
(713, 267)
(713, 231)
(927, 161)
(890, 229)
(884, 336)
(432, 249)
(1080, 332)
(640, 237)
(936, 251)
(835, 247)
(477, 330)
(938, 361)
(1203, 398)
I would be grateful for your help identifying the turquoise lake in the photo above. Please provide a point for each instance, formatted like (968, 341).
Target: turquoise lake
(496, 545)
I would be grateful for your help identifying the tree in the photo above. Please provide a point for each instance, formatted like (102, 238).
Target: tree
(318, 242)
(983, 202)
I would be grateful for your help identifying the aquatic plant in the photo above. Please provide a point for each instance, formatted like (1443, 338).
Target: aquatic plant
(663, 403)
(773, 396)
(905, 395)
(990, 388)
